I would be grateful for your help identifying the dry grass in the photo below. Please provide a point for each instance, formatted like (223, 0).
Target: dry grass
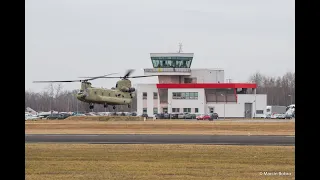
(145, 162)
(159, 127)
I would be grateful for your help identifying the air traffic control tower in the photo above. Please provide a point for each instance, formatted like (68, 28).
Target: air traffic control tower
(170, 67)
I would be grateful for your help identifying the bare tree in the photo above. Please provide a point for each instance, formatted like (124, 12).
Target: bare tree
(279, 90)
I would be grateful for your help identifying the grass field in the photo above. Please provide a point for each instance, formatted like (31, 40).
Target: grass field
(145, 162)
(159, 127)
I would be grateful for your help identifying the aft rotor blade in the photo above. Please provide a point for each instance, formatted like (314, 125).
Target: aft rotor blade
(141, 76)
(129, 71)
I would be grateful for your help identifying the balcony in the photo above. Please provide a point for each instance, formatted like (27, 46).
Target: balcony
(167, 71)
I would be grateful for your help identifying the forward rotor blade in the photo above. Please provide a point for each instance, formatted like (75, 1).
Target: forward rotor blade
(98, 76)
(130, 77)
(92, 78)
(56, 81)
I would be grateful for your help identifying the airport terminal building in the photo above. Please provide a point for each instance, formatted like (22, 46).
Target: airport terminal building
(182, 89)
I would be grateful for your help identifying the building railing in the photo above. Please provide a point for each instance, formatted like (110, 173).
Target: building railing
(167, 70)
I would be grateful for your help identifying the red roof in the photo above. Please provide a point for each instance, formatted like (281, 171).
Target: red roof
(208, 85)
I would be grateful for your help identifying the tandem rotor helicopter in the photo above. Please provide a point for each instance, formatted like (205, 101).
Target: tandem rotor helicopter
(122, 94)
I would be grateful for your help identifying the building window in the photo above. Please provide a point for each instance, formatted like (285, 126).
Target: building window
(185, 95)
(144, 95)
(196, 110)
(155, 110)
(259, 112)
(187, 80)
(155, 95)
(175, 110)
(144, 111)
(187, 110)
(165, 110)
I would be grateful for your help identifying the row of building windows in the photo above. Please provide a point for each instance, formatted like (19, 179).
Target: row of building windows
(175, 95)
(184, 95)
(145, 95)
(174, 110)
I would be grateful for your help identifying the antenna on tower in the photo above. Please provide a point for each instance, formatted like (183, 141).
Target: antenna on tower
(180, 48)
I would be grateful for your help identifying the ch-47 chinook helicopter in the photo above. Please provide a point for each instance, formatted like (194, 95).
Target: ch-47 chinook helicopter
(122, 94)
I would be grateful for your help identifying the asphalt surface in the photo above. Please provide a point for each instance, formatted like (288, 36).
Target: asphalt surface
(160, 139)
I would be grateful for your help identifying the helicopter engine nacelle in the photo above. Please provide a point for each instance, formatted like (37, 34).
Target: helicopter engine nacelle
(126, 89)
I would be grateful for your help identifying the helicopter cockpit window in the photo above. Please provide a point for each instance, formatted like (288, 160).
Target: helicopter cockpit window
(117, 85)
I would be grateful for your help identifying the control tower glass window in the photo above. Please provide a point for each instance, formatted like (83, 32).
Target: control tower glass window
(171, 62)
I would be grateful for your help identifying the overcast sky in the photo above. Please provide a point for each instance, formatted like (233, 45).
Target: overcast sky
(66, 39)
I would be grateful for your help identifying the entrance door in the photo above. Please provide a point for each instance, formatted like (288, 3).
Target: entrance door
(165, 110)
(247, 110)
(211, 110)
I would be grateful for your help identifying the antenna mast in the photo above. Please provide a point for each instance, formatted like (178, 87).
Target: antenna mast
(180, 48)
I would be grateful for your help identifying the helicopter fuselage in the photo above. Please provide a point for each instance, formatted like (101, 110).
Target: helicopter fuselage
(105, 96)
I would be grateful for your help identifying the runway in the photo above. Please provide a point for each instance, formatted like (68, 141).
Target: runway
(160, 139)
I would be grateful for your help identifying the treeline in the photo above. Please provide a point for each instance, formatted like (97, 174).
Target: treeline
(280, 90)
(57, 99)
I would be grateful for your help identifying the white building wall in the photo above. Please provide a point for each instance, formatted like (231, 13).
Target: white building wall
(237, 110)
(260, 104)
(185, 103)
(208, 75)
(232, 110)
(149, 89)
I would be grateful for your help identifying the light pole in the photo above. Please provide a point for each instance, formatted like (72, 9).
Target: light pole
(290, 98)
(224, 107)
(255, 102)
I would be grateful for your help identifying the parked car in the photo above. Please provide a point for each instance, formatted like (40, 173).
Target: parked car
(145, 115)
(166, 116)
(288, 116)
(278, 116)
(274, 116)
(182, 116)
(58, 116)
(174, 116)
(160, 116)
(190, 116)
(200, 117)
(281, 116)
(213, 116)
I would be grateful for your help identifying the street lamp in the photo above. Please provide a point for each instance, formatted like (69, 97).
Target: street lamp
(255, 102)
(290, 98)
(224, 107)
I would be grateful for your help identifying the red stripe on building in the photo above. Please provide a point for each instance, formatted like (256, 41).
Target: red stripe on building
(208, 85)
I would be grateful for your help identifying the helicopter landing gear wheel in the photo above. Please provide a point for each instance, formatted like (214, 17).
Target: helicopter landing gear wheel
(105, 105)
(91, 106)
